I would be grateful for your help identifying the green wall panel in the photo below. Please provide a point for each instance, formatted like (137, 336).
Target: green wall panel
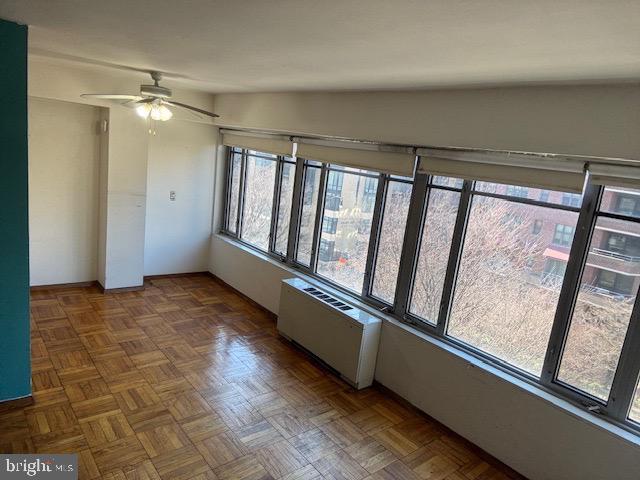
(15, 364)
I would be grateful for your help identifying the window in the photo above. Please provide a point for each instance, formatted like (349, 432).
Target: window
(346, 265)
(447, 182)
(234, 191)
(284, 207)
(330, 224)
(326, 250)
(500, 271)
(334, 191)
(500, 303)
(537, 226)
(433, 253)
(257, 205)
(623, 201)
(369, 199)
(563, 235)
(394, 221)
(308, 210)
(627, 246)
(598, 327)
(571, 199)
(544, 195)
(517, 191)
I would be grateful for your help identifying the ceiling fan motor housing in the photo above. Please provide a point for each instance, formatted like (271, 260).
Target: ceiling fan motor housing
(155, 91)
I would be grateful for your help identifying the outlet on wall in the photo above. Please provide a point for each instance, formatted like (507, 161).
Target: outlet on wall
(172, 196)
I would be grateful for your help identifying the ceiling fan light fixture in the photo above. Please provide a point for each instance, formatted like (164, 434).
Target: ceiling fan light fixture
(143, 110)
(161, 112)
(152, 102)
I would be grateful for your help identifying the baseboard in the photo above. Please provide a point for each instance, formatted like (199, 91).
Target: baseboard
(269, 313)
(174, 275)
(15, 403)
(122, 289)
(60, 286)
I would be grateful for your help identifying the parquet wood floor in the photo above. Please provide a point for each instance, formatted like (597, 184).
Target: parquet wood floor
(188, 380)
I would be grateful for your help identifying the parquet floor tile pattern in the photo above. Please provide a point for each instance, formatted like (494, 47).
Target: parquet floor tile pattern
(186, 379)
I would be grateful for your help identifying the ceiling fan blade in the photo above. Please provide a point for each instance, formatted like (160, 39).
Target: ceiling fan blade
(111, 96)
(189, 107)
(137, 101)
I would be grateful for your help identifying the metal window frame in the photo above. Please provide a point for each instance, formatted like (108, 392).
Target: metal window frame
(320, 213)
(227, 194)
(417, 209)
(625, 381)
(299, 201)
(277, 200)
(618, 404)
(243, 185)
(374, 240)
(296, 210)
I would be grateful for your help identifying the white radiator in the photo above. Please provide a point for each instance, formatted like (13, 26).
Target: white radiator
(341, 335)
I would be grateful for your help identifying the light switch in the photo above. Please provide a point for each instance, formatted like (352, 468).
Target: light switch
(172, 196)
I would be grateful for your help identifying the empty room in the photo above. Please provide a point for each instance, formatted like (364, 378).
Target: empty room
(297, 239)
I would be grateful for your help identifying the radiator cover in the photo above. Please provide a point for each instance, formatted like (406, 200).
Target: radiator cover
(338, 333)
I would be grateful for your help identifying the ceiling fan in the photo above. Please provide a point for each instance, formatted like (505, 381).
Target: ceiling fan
(153, 102)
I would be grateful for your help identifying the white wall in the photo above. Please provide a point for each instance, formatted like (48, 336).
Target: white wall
(64, 154)
(600, 120)
(539, 435)
(181, 159)
(124, 156)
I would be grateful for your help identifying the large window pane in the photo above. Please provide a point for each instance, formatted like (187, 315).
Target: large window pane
(394, 221)
(343, 249)
(236, 164)
(308, 214)
(258, 201)
(434, 254)
(509, 281)
(284, 207)
(601, 315)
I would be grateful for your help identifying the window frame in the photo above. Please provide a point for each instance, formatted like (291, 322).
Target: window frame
(237, 235)
(373, 237)
(627, 375)
(560, 234)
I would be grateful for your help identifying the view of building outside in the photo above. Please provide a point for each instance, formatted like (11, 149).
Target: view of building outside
(346, 227)
(512, 265)
(508, 282)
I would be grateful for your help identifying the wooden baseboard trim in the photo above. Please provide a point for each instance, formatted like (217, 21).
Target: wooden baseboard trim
(269, 313)
(122, 289)
(61, 286)
(175, 275)
(16, 403)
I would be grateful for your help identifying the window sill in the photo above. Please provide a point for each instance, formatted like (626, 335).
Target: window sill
(473, 361)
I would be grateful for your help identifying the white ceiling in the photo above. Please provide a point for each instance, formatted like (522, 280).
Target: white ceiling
(278, 45)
